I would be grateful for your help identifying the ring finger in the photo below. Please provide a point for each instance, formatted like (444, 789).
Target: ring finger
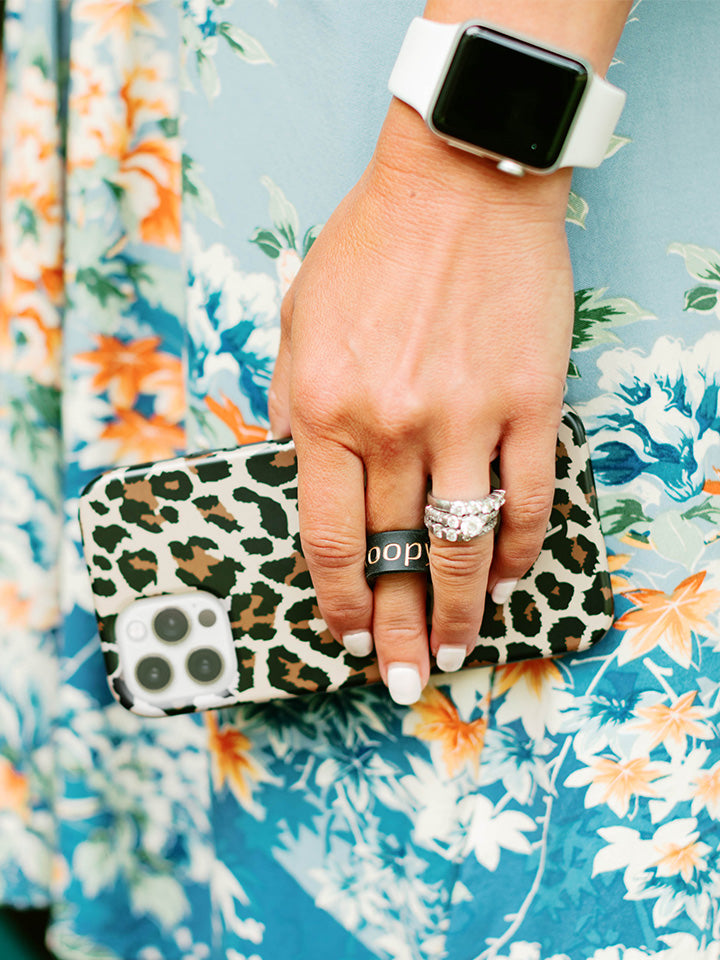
(459, 569)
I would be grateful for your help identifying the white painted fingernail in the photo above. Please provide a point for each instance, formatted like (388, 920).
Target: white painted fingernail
(404, 683)
(450, 657)
(358, 643)
(502, 590)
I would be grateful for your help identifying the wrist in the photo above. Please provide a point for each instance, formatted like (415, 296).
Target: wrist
(410, 158)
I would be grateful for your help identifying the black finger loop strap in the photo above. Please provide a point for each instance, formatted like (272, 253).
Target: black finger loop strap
(397, 551)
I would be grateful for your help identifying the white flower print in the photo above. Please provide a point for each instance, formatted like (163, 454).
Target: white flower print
(491, 830)
(673, 867)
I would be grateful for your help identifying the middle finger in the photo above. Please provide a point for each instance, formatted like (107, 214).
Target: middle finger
(395, 501)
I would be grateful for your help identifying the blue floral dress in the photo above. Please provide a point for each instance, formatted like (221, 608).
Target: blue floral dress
(165, 168)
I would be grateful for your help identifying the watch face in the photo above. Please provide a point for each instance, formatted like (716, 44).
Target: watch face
(508, 97)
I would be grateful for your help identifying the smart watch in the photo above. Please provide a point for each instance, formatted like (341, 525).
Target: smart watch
(504, 96)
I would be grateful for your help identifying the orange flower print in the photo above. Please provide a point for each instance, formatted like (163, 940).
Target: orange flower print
(682, 858)
(706, 791)
(118, 18)
(143, 95)
(667, 621)
(150, 173)
(438, 721)
(232, 763)
(167, 385)
(713, 486)
(16, 609)
(671, 724)
(616, 562)
(141, 439)
(14, 789)
(533, 692)
(535, 676)
(231, 416)
(615, 782)
(126, 370)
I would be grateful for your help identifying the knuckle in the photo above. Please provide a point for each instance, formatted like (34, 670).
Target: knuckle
(395, 417)
(461, 618)
(316, 404)
(395, 633)
(458, 561)
(331, 551)
(528, 516)
(343, 610)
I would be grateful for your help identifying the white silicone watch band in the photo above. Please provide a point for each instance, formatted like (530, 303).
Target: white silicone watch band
(421, 64)
(590, 134)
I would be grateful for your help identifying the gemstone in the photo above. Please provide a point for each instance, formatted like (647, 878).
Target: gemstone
(472, 527)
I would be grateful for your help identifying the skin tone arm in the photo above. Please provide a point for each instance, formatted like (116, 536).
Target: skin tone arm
(427, 332)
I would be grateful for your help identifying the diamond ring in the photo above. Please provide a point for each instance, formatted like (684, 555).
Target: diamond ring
(463, 520)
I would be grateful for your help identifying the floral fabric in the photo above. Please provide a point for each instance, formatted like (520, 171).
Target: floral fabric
(165, 167)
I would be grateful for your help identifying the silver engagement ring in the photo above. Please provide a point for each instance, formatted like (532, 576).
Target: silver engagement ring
(463, 520)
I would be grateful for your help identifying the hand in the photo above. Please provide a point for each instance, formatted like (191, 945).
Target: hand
(427, 332)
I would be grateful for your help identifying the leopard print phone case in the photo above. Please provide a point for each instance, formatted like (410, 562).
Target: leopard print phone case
(226, 523)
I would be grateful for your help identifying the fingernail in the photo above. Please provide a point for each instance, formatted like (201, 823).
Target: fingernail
(502, 590)
(404, 684)
(450, 657)
(358, 643)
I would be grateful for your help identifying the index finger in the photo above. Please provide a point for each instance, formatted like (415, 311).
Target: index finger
(331, 503)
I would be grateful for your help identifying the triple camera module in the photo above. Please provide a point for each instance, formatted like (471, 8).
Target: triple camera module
(175, 649)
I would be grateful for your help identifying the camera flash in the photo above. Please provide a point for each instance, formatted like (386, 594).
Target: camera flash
(136, 630)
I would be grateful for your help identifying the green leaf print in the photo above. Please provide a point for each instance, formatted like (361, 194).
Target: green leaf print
(247, 47)
(620, 513)
(594, 318)
(268, 242)
(195, 193)
(704, 511)
(286, 224)
(282, 213)
(702, 263)
(311, 235)
(207, 71)
(99, 286)
(27, 221)
(46, 402)
(701, 299)
(170, 126)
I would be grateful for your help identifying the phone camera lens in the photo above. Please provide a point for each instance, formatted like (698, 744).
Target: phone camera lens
(171, 625)
(205, 665)
(153, 673)
(207, 618)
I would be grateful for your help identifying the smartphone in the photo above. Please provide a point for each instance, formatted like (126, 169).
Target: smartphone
(203, 597)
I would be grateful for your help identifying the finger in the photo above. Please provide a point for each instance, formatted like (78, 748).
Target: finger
(395, 500)
(527, 473)
(331, 500)
(279, 392)
(459, 570)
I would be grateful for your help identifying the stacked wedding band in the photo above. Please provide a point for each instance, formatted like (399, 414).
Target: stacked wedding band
(463, 520)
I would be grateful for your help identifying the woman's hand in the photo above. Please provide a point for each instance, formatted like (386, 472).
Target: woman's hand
(427, 332)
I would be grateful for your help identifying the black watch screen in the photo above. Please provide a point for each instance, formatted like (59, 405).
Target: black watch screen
(508, 97)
